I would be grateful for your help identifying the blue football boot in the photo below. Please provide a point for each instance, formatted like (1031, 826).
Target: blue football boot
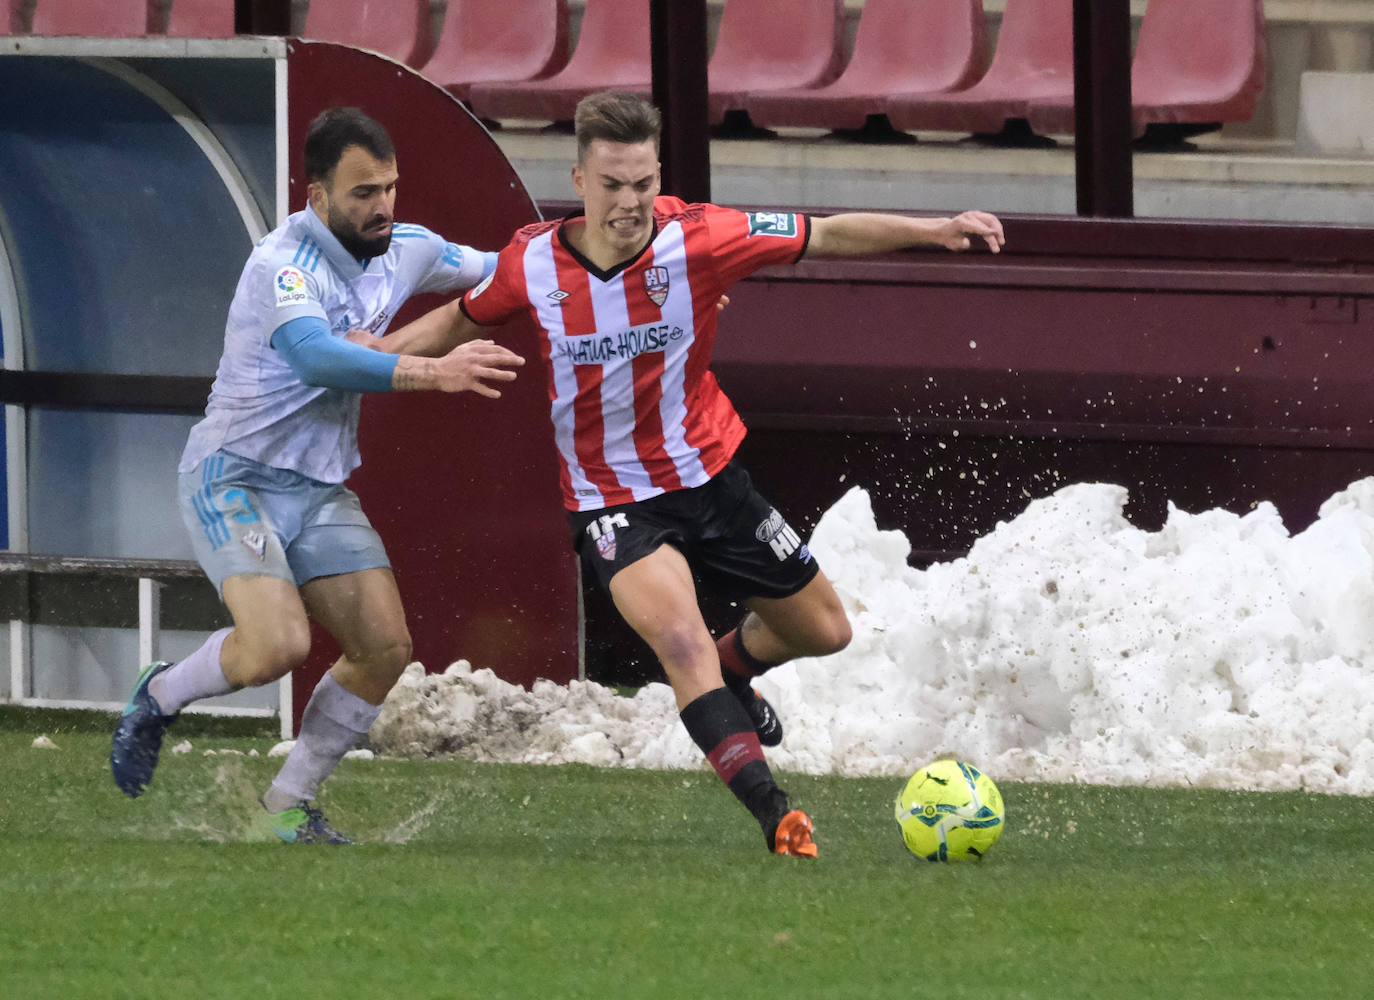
(138, 737)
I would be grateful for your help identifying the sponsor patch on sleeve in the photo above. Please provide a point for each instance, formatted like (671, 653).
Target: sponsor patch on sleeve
(289, 287)
(772, 224)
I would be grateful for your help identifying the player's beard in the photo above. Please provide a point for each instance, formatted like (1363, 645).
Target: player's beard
(355, 240)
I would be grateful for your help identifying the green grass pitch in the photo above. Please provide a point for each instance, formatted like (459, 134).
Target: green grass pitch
(495, 881)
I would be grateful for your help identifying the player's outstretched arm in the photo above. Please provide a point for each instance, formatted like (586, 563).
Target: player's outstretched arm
(469, 367)
(320, 359)
(434, 334)
(876, 232)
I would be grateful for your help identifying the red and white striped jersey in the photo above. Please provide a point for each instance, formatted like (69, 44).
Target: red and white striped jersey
(636, 411)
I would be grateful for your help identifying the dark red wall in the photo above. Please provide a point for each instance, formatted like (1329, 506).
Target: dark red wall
(463, 490)
(965, 386)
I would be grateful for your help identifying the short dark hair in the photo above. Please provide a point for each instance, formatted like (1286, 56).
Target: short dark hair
(333, 131)
(616, 117)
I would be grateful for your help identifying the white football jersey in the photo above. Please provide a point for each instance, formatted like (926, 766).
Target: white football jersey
(258, 407)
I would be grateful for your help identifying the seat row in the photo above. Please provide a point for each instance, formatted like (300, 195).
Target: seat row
(123, 18)
(916, 65)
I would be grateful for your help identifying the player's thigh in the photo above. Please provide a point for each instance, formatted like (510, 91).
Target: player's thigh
(363, 611)
(811, 622)
(271, 630)
(657, 598)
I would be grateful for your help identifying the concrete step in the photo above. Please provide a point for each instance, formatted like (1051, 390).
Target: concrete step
(1222, 178)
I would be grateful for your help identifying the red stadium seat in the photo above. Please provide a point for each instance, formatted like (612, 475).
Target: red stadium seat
(395, 28)
(902, 46)
(489, 41)
(107, 19)
(1034, 60)
(1195, 65)
(772, 45)
(201, 19)
(612, 52)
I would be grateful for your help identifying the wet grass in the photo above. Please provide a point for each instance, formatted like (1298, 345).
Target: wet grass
(498, 881)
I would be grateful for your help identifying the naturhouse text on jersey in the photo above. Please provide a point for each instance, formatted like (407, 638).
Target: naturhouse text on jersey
(631, 343)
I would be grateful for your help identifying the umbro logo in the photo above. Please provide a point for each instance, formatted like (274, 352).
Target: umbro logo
(558, 295)
(733, 754)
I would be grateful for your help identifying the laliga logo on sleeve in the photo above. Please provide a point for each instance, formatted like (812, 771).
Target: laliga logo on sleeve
(290, 287)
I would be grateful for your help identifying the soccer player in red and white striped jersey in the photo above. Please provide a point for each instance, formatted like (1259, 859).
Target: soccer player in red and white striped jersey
(626, 295)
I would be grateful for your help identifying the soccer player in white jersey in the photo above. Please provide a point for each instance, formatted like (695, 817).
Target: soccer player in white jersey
(625, 294)
(262, 476)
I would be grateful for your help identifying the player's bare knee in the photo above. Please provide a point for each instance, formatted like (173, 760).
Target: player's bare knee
(396, 655)
(682, 646)
(385, 656)
(829, 635)
(839, 633)
(265, 659)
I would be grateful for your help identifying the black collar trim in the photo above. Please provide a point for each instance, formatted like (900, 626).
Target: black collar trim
(586, 264)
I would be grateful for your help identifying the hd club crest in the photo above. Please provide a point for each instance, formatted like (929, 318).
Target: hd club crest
(656, 284)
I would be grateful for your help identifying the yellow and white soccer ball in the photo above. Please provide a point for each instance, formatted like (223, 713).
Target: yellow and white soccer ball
(950, 811)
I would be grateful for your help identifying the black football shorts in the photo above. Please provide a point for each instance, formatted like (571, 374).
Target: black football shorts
(735, 541)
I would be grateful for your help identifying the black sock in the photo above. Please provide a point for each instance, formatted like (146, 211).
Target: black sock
(722, 728)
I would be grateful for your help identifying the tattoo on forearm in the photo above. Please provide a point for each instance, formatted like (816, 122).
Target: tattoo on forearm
(412, 375)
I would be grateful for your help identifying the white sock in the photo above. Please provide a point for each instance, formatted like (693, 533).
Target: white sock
(334, 721)
(196, 677)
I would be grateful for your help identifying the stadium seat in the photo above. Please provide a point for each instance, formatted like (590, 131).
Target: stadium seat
(612, 51)
(108, 19)
(201, 19)
(902, 46)
(395, 28)
(1033, 60)
(490, 41)
(773, 45)
(1195, 66)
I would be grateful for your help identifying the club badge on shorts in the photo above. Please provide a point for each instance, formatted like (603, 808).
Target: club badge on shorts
(656, 284)
(602, 531)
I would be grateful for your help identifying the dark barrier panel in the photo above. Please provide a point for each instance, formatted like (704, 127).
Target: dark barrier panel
(1210, 365)
(1203, 364)
(464, 490)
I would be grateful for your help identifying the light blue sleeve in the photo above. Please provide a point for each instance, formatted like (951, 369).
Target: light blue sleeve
(320, 359)
(438, 265)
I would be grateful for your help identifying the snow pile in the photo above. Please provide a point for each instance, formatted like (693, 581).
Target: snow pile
(475, 715)
(1220, 651)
